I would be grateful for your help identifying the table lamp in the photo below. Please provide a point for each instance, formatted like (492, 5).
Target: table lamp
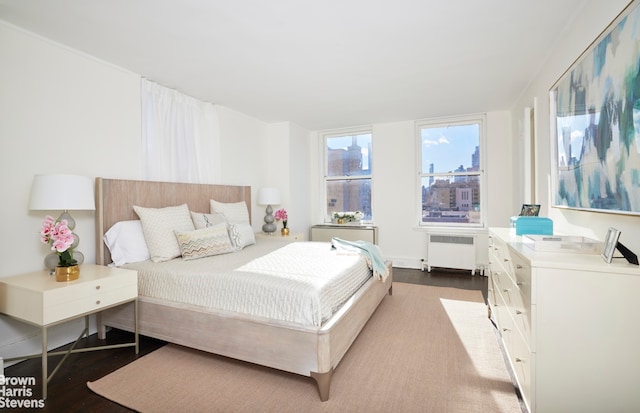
(268, 197)
(66, 193)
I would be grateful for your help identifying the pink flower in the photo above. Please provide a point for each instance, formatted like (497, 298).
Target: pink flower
(61, 239)
(57, 234)
(281, 215)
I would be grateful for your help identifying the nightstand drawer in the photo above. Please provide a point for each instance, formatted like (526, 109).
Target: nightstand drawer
(91, 288)
(88, 303)
(88, 295)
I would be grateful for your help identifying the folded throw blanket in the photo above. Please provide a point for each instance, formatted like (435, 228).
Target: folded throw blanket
(370, 252)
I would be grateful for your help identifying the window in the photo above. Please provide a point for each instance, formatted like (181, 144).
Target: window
(347, 176)
(451, 173)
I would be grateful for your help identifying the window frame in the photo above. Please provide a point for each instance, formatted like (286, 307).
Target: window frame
(325, 167)
(480, 120)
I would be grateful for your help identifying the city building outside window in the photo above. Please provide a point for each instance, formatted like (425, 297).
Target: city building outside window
(451, 174)
(347, 174)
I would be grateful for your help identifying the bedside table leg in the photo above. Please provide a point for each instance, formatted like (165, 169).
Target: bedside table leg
(135, 323)
(45, 358)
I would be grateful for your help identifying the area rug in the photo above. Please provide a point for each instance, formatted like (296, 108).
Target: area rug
(425, 349)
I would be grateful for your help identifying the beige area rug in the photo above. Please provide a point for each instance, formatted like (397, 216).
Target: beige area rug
(425, 349)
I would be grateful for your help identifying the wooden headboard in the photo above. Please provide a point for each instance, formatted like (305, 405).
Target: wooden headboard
(115, 199)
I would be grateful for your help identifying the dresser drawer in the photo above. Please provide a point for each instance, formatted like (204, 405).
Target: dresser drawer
(521, 360)
(501, 313)
(522, 276)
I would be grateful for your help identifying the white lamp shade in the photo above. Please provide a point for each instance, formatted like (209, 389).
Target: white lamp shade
(62, 192)
(268, 196)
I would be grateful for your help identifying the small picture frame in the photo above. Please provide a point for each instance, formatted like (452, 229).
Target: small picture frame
(530, 210)
(610, 243)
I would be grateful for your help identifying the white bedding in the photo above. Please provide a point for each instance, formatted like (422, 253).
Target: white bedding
(301, 282)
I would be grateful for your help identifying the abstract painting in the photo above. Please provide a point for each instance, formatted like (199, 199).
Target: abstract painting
(595, 123)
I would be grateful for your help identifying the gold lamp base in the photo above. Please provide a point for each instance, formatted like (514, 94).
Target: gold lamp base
(67, 273)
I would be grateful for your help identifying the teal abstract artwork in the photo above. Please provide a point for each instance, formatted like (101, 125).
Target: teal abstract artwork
(595, 116)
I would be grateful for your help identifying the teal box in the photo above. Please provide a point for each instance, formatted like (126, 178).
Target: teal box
(533, 225)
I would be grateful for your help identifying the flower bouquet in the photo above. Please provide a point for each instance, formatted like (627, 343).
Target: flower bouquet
(62, 241)
(348, 216)
(281, 215)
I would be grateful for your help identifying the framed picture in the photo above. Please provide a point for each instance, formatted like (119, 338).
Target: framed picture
(530, 210)
(610, 243)
(595, 123)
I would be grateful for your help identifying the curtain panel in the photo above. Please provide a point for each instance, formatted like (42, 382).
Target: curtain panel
(180, 137)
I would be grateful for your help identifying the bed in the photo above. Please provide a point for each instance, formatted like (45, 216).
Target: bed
(312, 351)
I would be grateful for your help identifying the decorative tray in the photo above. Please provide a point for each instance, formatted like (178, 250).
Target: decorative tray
(562, 243)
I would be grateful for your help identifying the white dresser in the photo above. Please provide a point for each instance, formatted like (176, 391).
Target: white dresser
(570, 324)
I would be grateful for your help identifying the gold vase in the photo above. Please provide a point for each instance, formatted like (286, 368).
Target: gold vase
(284, 232)
(67, 273)
(340, 221)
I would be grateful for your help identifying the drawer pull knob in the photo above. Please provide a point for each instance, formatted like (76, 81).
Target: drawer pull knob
(518, 282)
(518, 266)
(98, 302)
(97, 287)
(505, 329)
(519, 360)
(518, 312)
(506, 290)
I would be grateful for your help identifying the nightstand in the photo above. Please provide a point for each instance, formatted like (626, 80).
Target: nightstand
(349, 232)
(38, 299)
(278, 237)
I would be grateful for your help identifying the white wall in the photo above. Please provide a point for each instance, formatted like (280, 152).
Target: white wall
(588, 25)
(394, 192)
(62, 112)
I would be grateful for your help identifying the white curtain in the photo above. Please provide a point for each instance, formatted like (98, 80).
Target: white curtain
(180, 137)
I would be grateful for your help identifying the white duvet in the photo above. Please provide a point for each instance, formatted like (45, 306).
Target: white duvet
(301, 282)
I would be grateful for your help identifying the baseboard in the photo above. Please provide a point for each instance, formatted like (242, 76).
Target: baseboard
(406, 262)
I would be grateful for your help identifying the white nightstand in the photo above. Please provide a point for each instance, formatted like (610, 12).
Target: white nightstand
(38, 299)
(278, 237)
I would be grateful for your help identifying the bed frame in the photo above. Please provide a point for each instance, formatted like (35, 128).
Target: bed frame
(308, 351)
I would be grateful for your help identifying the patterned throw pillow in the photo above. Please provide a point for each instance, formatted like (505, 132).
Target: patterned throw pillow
(204, 242)
(159, 226)
(241, 235)
(201, 220)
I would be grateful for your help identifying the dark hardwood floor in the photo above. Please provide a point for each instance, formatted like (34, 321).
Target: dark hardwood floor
(68, 392)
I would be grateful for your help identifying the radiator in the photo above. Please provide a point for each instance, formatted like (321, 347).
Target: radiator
(452, 251)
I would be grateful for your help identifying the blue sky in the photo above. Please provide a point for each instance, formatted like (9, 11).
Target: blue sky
(448, 147)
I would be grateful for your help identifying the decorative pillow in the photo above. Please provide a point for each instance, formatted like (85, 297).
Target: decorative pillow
(241, 235)
(159, 226)
(201, 220)
(204, 242)
(234, 236)
(126, 243)
(234, 212)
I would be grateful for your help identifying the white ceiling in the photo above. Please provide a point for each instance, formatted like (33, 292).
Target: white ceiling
(321, 64)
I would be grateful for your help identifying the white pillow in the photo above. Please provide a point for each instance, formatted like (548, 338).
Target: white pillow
(126, 242)
(201, 220)
(233, 212)
(200, 243)
(159, 226)
(241, 235)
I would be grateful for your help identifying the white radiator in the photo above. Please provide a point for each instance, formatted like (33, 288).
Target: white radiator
(452, 251)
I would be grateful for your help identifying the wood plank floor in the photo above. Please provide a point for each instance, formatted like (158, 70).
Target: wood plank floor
(68, 391)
